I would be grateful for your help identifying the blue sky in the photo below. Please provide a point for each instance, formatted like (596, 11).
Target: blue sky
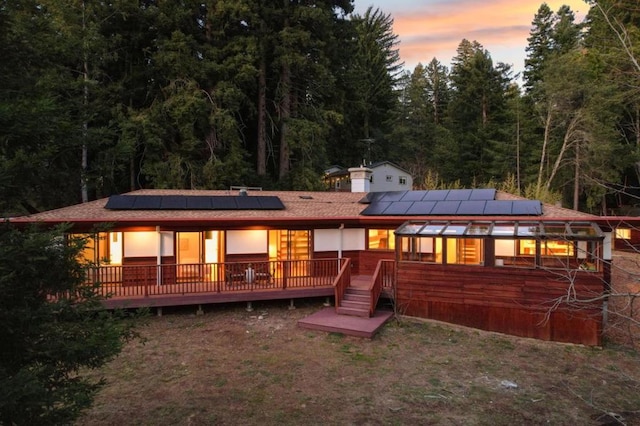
(434, 28)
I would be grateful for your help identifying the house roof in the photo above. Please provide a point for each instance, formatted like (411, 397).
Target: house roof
(300, 207)
(345, 171)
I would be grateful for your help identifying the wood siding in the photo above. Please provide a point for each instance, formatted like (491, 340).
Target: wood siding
(362, 262)
(507, 300)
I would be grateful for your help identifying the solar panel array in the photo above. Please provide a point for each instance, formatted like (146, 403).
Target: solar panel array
(193, 202)
(447, 202)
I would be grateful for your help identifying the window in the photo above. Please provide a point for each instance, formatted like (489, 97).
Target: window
(623, 233)
(381, 239)
(402, 180)
(465, 251)
(389, 178)
(422, 249)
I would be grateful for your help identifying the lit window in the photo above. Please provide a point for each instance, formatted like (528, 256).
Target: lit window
(623, 233)
(402, 180)
(381, 239)
(556, 248)
(465, 251)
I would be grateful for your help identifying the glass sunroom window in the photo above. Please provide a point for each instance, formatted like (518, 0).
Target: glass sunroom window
(527, 243)
(503, 230)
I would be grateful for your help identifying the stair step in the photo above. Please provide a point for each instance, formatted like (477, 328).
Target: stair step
(357, 297)
(358, 291)
(353, 312)
(355, 304)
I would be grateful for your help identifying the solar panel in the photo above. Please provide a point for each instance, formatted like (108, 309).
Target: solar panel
(270, 203)
(398, 208)
(421, 208)
(445, 202)
(458, 195)
(445, 208)
(414, 195)
(224, 203)
(147, 202)
(119, 202)
(484, 194)
(247, 203)
(199, 203)
(527, 207)
(392, 195)
(192, 202)
(376, 208)
(475, 208)
(173, 202)
(436, 195)
(498, 207)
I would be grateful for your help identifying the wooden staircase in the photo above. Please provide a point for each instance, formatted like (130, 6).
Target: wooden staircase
(356, 302)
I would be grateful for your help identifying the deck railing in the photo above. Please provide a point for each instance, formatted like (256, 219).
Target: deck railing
(341, 282)
(149, 280)
(383, 279)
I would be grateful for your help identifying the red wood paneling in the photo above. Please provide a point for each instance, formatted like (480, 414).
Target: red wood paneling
(507, 300)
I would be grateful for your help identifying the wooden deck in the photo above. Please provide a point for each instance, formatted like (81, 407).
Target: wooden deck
(175, 285)
(211, 292)
(330, 321)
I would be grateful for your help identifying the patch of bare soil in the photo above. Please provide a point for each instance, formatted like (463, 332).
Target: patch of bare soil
(233, 367)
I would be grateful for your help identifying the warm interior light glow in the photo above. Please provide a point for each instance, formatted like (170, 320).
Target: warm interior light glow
(381, 239)
(115, 248)
(623, 233)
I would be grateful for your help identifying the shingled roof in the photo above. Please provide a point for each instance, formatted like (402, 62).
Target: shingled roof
(299, 206)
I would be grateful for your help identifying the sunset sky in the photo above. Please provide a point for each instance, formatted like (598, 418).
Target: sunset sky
(434, 28)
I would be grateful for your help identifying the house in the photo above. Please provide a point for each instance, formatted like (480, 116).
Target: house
(383, 176)
(480, 257)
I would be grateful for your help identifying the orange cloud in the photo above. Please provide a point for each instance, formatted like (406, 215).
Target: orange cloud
(436, 29)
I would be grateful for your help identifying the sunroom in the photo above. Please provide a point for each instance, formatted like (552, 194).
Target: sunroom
(503, 243)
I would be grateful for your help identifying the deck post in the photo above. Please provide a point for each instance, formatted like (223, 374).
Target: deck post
(291, 305)
(327, 302)
(159, 311)
(249, 307)
(199, 311)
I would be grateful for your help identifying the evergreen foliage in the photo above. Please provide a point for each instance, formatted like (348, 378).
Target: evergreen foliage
(100, 98)
(51, 329)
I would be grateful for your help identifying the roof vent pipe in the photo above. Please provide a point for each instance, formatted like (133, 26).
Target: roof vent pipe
(243, 192)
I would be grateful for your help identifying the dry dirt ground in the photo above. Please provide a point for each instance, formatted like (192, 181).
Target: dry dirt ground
(233, 367)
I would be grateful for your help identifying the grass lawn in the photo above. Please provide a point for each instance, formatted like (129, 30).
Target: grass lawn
(233, 367)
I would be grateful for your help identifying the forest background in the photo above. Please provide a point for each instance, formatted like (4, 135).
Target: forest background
(98, 98)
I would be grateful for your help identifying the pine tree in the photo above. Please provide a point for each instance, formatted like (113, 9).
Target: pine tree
(51, 327)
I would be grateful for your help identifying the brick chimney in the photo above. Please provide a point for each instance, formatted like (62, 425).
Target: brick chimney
(360, 179)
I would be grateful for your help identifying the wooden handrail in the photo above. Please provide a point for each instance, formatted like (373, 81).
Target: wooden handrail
(342, 281)
(380, 277)
(151, 280)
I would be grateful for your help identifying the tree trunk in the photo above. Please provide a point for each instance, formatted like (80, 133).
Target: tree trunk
(285, 114)
(518, 147)
(566, 142)
(285, 106)
(261, 165)
(545, 143)
(85, 126)
(576, 179)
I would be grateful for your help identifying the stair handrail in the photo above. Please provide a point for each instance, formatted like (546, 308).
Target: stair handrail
(342, 281)
(377, 283)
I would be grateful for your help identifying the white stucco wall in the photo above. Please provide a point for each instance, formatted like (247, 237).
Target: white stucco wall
(329, 239)
(247, 241)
